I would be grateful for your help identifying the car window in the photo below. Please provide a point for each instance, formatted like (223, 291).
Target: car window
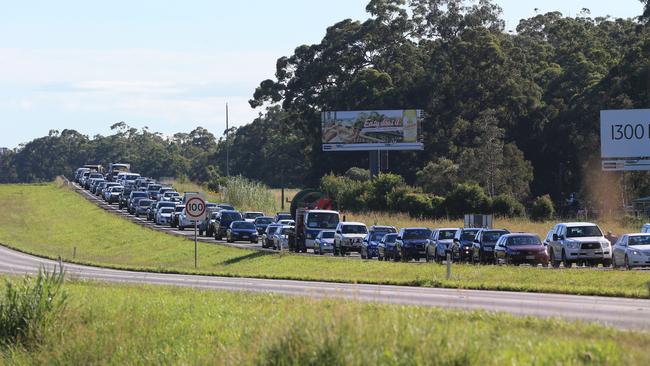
(639, 240)
(354, 229)
(390, 238)
(446, 234)
(231, 216)
(583, 231)
(492, 236)
(523, 240)
(375, 236)
(166, 210)
(263, 220)
(327, 235)
(468, 234)
(417, 234)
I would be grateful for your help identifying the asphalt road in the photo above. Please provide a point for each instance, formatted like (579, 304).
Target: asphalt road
(616, 312)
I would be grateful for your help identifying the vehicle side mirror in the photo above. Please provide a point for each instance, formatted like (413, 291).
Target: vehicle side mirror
(399, 238)
(477, 241)
(555, 237)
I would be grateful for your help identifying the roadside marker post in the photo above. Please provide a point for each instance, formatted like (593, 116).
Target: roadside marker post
(195, 209)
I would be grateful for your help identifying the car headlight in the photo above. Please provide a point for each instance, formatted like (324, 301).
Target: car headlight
(573, 245)
(605, 245)
(636, 252)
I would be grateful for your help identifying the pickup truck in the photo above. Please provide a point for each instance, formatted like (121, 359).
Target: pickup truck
(581, 243)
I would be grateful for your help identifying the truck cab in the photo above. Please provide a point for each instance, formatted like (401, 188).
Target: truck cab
(309, 223)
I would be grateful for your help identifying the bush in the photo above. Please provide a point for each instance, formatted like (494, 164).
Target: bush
(381, 187)
(358, 174)
(28, 308)
(467, 199)
(542, 209)
(349, 194)
(506, 205)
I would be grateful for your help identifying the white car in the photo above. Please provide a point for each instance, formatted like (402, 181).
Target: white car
(324, 242)
(579, 242)
(287, 222)
(349, 237)
(113, 194)
(250, 216)
(645, 229)
(632, 250)
(184, 221)
(281, 237)
(164, 215)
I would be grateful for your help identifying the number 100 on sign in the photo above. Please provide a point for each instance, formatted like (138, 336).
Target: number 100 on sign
(625, 133)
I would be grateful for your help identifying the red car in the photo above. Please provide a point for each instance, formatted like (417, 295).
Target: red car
(520, 249)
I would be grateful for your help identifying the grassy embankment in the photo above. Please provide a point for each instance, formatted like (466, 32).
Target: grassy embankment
(50, 220)
(146, 325)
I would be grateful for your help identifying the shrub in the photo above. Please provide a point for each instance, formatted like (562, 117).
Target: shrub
(506, 205)
(358, 174)
(467, 199)
(542, 209)
(29, 307)
(349, 194)
(381, 187)
(418, 205)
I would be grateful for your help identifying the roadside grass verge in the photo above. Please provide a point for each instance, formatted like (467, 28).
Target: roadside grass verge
(49, 220)
(147, 325)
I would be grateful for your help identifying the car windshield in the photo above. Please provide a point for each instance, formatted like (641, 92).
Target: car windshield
(179, 208)
(390, 238)
(468, 234)
(286, 231)
(243, 225)
(271, 229)
(231, 216)
(492, 236)
(583, 231)
(117, 189)
(446, 234)
(639, 240)
(139, 194)
(263, 220)
(523, 240)
(166, 210)
(327, 235)
(354, 229)
(417, 234)
(145, 202)
(322, 220)
(170, 194)
(131, 177)
(153, 188)
(226, 207)
(252, 215)
(284, 217)
(377, 235)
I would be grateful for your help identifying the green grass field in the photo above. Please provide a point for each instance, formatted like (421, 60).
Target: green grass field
(146, 325)
(50, 220)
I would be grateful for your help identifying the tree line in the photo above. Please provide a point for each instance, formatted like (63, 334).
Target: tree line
(515, 112)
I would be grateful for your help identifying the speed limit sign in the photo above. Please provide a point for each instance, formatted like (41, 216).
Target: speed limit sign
(195, 208)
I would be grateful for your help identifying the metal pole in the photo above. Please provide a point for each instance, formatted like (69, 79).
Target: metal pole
(227, 145)
(195, 247)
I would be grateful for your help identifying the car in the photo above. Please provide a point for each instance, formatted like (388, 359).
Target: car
(97, 186)
(632, 250)
(370, 244)
(185, 221)
(226, 206)
(141, 183)
(142, 206)
(113, 194)
(281, 237)
(282, 216)
(549, 238)
(134, 203)
(387, 249)
(171, 196)
(88, 180)
(464, 241)
(252, 215)
(579, 242)
(241, 231)
(152, 190)
(520, 248)
(484, 242)
(164, 215)
(212, 218)
(107, 186)
(645, 229)
(79, 173)
(153, 210)
(261, 223)
(267, 236)
(324, 242)
(412, 243)
(203, 223)
(441, 244)
(287, 222)
(177, 213)
(226, 217)
(348, 237)
(135, 195)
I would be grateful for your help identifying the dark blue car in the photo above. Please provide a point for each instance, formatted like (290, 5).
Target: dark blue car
(241, 231)
(486, 239)
(370, 244)
(261, 223)
(464, 243)
(412, 243)
(386, 249)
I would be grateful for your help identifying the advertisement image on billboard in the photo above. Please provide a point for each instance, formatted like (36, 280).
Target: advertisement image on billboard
(372, 130)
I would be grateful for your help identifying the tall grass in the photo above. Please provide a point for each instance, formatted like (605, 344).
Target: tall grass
(29, 307)
(248, 195)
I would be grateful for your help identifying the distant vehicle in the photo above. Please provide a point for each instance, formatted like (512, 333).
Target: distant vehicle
(187, 196)
(464, 241)
(261, 223)
(520, 248)
(282, 216)
(484, 242)
(324, 242)
(548, 239)
(579, 242)
(212, 219)
(95, 184)
(387, 248)
(164, 215)
(250, 216)
(153, 210)
(287, 222)
(645, 229)
(226, 206)
(632, 250)
(83, 176)
(177, 213)
(412, 243)
(92, 175)
(141, 183)
(185, 221)
(99, 188)
(241, 231)
(203, 224)
(226, 217)
(370, 244)
(308, 224)
(171, 196)
(441, 243)
(79, 173)
(281, 237)
(152, 190)
(132, 197)
(113, 194)
(348, 237)
(267, 236)
(142, 206)
(116, 168)
(95, 168)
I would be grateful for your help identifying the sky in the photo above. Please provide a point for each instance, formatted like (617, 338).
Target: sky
(169, 65)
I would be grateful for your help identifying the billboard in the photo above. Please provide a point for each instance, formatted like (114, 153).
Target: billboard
(372, 130)
(625, 133)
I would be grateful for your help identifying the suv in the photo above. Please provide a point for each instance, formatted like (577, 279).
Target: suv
(176, 214)
(440, 244)
(579, 242)
(348, 237)
(464, 241)
(484, 242)
(412, 243)
(221, 225)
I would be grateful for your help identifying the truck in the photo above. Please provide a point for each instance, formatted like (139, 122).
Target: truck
(95, 168)
(309, 223)
(116, 168)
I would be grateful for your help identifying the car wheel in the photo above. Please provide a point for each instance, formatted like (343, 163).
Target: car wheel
(627, 263)
(607, 263)
(200, 232)
(181, 227)
(427, 257)
(554, 262)
(565, 261)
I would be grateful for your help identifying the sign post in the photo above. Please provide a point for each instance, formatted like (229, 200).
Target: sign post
(195, 209)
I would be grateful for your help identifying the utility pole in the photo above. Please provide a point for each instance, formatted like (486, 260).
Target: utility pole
(227, 144)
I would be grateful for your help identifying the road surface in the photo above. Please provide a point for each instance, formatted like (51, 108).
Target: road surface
(616, 312)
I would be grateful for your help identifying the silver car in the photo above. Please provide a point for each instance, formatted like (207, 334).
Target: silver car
(632, 250)
(324, 242)
(164, 215)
